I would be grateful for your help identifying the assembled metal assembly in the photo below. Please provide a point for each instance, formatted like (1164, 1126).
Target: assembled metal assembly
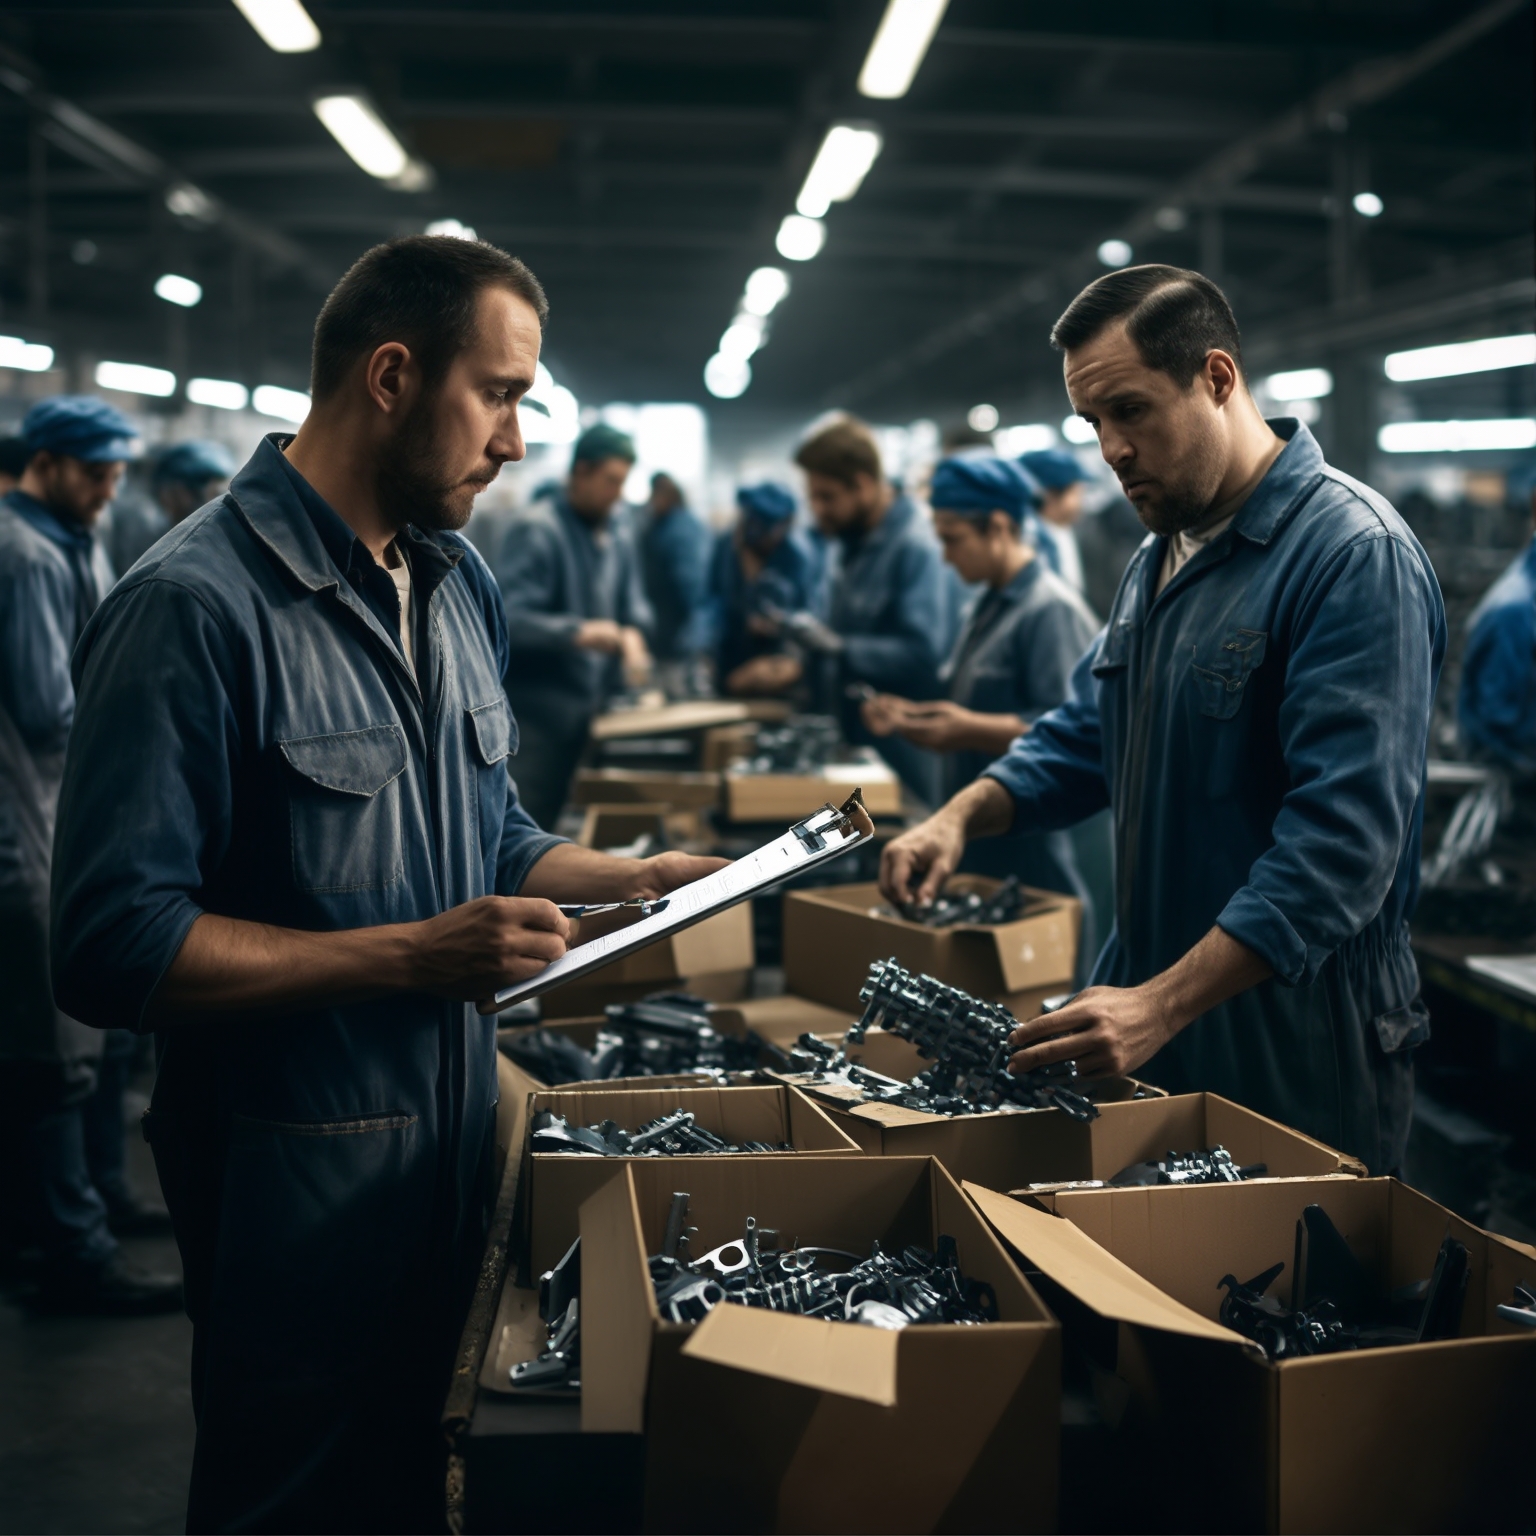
(1214, 1167)
(1005, 905)
(676, 1135)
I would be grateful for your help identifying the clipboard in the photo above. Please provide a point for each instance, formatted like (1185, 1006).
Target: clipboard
(823, 835)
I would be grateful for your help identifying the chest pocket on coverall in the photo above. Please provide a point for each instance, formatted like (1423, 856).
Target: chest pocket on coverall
(493, 739)
(1221, 672)
(344, 809)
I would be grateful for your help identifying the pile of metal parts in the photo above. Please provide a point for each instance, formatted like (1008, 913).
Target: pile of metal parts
(1335, 1303)
(1214, 1167)
(1522, 1309)
(558, 1368)
(664, 1035)
(676, 1135)
(1005, 905)
(884, 1290)
(802, 746)
(965, 1038)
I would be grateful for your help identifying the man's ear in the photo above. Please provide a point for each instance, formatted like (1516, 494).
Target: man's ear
(390, 376)
(1223, 375)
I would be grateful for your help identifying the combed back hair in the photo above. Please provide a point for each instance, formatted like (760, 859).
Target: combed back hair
(420, 290)
(842, 450)
(1175, 317)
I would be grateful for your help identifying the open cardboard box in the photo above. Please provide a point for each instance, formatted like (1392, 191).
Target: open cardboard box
(833, 934)
(1209, 1435)
(617, 826)
(788, 797)
(554, 1184)
(627, 786)
(762, 1421)
(781, 1020)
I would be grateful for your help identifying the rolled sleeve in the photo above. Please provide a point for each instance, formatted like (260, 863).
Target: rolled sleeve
(523, 843)
(1255, 921)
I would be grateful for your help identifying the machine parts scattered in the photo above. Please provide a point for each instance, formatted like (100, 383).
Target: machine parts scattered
(950, 908)
(1214, 1167)
(675, 1135)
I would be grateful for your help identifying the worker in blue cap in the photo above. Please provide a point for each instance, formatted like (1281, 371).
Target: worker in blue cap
(1061, 479)
(58, 1105)
(1496, 702)
(1020, 638)
(760, 570)
(673, 545)
(182, 479)
(577, 617)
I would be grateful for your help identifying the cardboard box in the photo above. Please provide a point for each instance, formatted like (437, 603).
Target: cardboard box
(834, 933)
(626, 786)
(726, 744)
(667, 719)
(782, 1020)
(760, 1421)
(556, 1183)
(788, 797)
(617, 826)
(1206, 1434)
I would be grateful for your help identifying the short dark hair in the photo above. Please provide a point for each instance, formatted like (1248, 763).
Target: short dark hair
(1175, 317)
(843, 450)
(420, 290)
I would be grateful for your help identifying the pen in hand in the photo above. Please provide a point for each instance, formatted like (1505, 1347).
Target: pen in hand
(645, 905)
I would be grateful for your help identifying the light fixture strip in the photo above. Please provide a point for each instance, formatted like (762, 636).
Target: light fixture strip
(1460, 357)
(900, 43)
(283, 25)
(366, 137)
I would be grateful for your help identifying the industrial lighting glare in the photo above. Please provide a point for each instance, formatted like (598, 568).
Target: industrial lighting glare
(1115, 253)
(1170, 219)
(900, 41)
(283, 25)
(1010, 442)
(189, 202)
(1076, 430)
(178, 290)
(839, 168)
(1368, 205)
(283, 404)
(28, 356)
(1457, 436)
(553, 414)
(364, 135)
(136, 379)
(982, 418)
(1461, 357)
(799, 239)
(452, 227)
(224, 394)
(765, 290)
(741, 338)
(1299, 384)
(727, 377)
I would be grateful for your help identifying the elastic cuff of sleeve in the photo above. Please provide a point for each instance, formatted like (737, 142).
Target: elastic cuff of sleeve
(1254, 920)
(1017, 784)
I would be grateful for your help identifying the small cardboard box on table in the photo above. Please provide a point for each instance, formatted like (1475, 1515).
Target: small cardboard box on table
(1208, 1435)
(762, 1421)
(787, 797)
(833, 934)
(782, 1020)
(686, 798)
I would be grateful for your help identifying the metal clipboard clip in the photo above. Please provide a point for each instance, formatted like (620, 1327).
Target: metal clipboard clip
(850, 819)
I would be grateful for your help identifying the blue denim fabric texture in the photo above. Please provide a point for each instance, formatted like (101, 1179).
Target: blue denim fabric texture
(1496, 703)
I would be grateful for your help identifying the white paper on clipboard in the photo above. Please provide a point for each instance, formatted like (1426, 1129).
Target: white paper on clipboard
(823, 835)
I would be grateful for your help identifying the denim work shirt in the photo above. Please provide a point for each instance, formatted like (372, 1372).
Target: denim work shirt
(790, 581)
(1259, 729)
(556, 571)
(250, 741)
(674, 567)
(1496, 703)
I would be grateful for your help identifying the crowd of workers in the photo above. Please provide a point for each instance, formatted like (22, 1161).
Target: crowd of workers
(317, 747)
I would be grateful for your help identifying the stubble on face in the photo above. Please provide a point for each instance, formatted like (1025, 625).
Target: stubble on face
(416, 484)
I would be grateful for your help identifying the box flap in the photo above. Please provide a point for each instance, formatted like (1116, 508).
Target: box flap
(843, 1358)
(1098, 1279)
(618, 1311)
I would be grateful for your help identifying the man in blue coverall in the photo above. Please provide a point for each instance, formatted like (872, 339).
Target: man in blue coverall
(674, 569)
(306, 863)
(1256, 713)
(184, 477)
(576, 614)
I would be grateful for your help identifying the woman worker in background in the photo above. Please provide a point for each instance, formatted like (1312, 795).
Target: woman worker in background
(1019, 640)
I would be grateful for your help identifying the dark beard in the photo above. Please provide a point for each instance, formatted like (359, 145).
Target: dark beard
(1177, 512)
(413, 484)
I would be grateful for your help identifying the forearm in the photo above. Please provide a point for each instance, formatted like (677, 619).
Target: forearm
(981, 809)
(570, 873)
(992, 734)
(1218, 967)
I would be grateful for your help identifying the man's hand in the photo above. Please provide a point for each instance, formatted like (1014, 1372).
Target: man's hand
(636, 654)
(665, 872)
(940, 725)
(599, 635)
(884, 714)
(765, 674)
(472, 951)
(914, 866)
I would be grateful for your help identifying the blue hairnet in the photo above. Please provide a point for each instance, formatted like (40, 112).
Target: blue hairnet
(81, 426)
(1054, 468)
(194, 464)
(599, 442)
(768, 502)
(981, 484)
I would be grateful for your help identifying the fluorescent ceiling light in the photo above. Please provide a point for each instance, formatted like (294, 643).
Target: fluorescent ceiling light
(1299, 384)
(364, 135)
(283, 25)
(727, 377)
(1461, 357)
(765, 289)
(800, 238)
(982, 418)
(1368, 205)
(1076, 430)
(452, 227)
(900, 41)
(1010, 442)
(841, 164)
(136, 379)
(189, 202)
(1457, 436)
(284, 404)
(742, 337)
(223, 393)
(29, 356)
(178, 290)
(1115, 253)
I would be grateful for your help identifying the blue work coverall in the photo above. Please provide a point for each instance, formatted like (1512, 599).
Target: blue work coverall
(251, 741)
(1015, 655)
(790, 582)
(674, 570)
(1259, 729)
(556, 571)
(1496, 704)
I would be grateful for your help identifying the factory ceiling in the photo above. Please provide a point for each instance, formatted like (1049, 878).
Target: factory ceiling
(640, 157)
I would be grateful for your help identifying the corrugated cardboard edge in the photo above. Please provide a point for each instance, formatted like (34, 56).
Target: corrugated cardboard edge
(618, 1312)
(1098, 1279)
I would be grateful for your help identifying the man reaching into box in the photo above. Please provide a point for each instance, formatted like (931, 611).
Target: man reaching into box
(1255, 713)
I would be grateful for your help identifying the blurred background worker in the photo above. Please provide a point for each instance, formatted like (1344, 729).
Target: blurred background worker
(13, 460)
(576, 616)
(60, 1106)
(674, 570)
(762, 568)
(183, 478)
(1496, 703)
(891, 603)
(1019, 640)
(1061, 479)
